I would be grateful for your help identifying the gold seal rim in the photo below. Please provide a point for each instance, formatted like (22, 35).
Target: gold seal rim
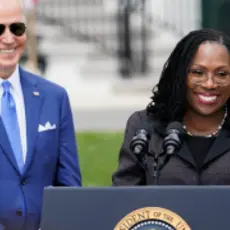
(157, 213)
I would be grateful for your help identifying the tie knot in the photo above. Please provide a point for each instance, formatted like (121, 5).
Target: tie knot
(6, 86)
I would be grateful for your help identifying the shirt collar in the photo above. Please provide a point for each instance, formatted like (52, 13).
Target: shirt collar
(14, 79)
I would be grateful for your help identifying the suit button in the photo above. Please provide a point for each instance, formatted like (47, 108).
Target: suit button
(19, 212)
(23, 182)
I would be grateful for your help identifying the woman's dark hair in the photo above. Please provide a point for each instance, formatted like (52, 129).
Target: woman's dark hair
(169, 95)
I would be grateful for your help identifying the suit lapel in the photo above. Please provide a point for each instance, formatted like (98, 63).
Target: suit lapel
(219, 147)
(185, 154)
(33, 100)
(6, 146)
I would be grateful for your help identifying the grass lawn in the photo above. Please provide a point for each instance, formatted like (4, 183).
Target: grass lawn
(98, 155)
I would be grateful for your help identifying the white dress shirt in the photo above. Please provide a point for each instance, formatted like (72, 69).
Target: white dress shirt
(17, 93)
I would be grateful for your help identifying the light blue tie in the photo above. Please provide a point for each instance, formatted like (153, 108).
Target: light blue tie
(10, 121)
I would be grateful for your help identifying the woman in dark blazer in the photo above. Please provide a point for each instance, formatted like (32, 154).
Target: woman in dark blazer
(194, 89)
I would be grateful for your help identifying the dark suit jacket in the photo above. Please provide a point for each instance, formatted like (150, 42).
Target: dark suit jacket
(181, 168)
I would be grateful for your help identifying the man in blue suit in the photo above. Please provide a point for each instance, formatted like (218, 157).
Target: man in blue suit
(37, 141)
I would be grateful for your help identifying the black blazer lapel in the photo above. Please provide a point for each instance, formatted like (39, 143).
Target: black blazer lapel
(185, 154)
(219, 147)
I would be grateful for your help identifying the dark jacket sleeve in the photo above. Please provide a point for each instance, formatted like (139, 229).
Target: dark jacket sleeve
(129, 171)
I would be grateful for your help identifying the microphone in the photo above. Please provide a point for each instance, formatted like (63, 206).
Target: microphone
(139, 143)
(172, 141)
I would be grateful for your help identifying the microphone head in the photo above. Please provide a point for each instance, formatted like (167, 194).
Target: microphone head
(172, 141)
(175, 126)
(140, 140)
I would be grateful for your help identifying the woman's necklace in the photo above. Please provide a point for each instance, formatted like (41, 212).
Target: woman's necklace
(213, 134)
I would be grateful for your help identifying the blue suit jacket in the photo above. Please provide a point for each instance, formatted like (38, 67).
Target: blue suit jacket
(51, 157)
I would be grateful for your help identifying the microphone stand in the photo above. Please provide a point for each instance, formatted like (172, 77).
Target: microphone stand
(141, 156)
(171, 144)
(159, 162)
(155, 171)
(139, 147)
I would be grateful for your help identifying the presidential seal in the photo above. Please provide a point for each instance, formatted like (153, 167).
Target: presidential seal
(152, 218)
